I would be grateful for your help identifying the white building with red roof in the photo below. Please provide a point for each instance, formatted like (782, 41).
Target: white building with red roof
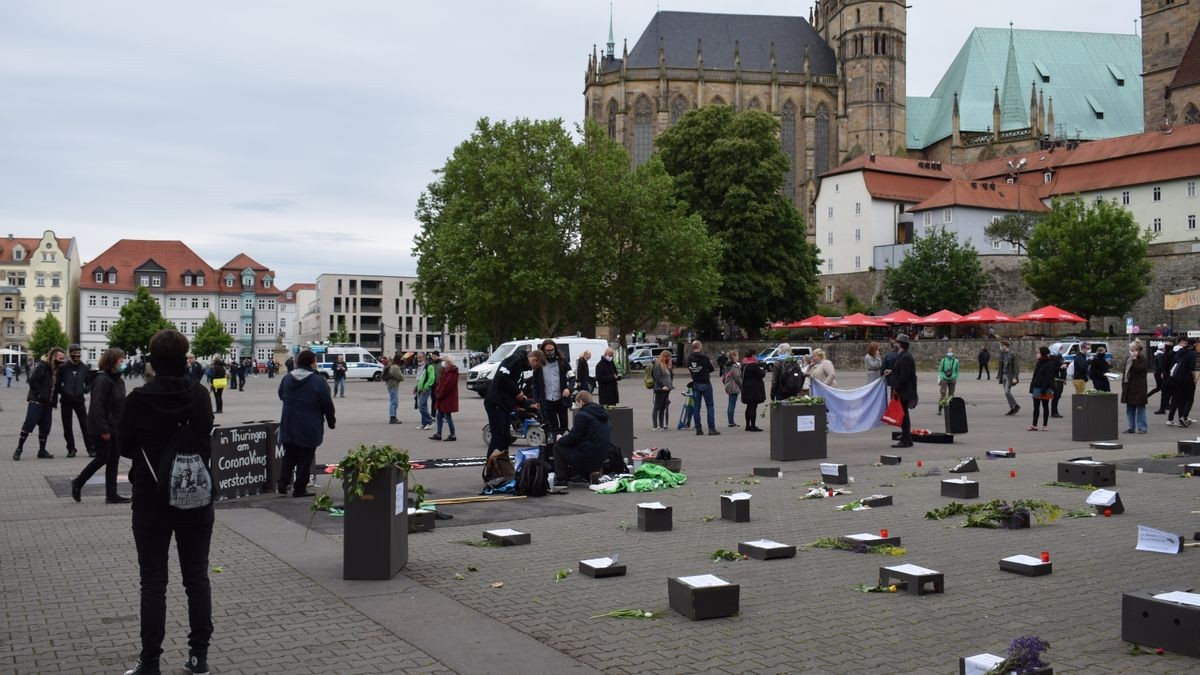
(38, 276)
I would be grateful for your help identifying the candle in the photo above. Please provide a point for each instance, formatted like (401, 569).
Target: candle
(883, 534)
(1108, 513)
(1011, 451)
(920, 463)
(1045, 556)
(1012, 473)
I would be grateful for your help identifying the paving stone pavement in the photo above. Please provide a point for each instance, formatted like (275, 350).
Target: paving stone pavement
(69, 576)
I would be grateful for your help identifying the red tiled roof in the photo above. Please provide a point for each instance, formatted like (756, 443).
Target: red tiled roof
(129, 254)
(900, 187)
(899, 165)
(985, 195)
(1128, 170)
(294, 289)
(241, 262)
(31, 245)
(1188, 71)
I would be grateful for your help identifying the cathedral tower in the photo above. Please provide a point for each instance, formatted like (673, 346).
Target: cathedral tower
(1169, 29)
(869, 38)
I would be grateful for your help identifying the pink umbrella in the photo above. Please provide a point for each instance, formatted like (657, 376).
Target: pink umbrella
(900, 316)
(1050, 314)
(943, 316)
(987, 315)
(860, 320)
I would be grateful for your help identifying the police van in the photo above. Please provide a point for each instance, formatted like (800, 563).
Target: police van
(479, 377)
(360, 363)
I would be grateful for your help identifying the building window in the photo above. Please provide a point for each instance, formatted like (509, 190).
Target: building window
(857, 234)
(171, 303)
(104, 301)
(40, 304)
(229, 281)
(55, 304)
(91, 300)
(643, 130)
(857, 262)
(248, 328)
(195, 303)
(1157, 226)
(829, 289)
(1047, 177)
(831, 238)
(822, 139)
(104, 326)
(829, 265)
(880, 93)
(612, 118)
(40, 280)
(187, 280)
(1191, 222)
(679, 108)
(858, 208)
(99, 277)
(829, 213)
(199, 279)
(205, 303)
(948, 215)
(1157, 194)
(112, 277)
(266, 283)
(1125, 197)
(156, 281)
(248, 304)
(18, 253)
(91, 325)
(928, 218)
(56, 280)
(787, 138)
(995, 244)
(1191, 188)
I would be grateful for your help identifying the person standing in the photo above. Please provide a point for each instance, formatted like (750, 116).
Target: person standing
(1009, 373)
(72, 389)
(306, 403)
(218, 381)
(607, 379)
(426, 376)
(393, 375)
(1098, 369)
(271, 368)
(1133, 389)
(754, 390)
(1183, 383)
(1162, 359)
(1041, 387)
(701, 367)
(872, 362)
(1079, 364)
(664, 382)
(104, 415)
(889, 362)
(339, 377)
(947, 378)
(1060, 379)
(822, 369)
(583, 376)
(904, 387)
(40, 402)
(8, 373)
(290, 364)
(732, 378)
(787, 376)
(985, 358)
(502, 395)
(195, 370)
(445, 399)
(551, 391)
(154, 413)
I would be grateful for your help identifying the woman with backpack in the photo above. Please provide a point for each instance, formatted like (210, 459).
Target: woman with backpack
(167, 414)
(218, 379)
(662, 377)
(753, 389)
(732, 379)
(104, 413)
(787, 377)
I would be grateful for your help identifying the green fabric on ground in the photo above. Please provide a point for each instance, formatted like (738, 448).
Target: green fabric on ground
(647, 478)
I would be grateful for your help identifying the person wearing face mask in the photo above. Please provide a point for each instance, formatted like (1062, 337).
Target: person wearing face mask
(1133, 389)
(947, 378)
(1009, 373)
(1098, 370)
(580, 452)
(551, 391)
(42, 399)
(607, 378)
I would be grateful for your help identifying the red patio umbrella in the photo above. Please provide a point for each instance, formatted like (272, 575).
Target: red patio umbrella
(899, 316)
(987, 315)
(860, 320)
(943, 316)
(814, 321)
(1050, 314)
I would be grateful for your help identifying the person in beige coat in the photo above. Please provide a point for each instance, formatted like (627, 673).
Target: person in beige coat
(822, 369)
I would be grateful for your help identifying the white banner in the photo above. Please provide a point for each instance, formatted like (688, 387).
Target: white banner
(853, 410)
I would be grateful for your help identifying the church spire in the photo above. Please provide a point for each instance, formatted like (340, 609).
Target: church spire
(612, 45)
(1012, 112)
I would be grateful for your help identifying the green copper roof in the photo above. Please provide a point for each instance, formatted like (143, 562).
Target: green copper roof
(1069, 67)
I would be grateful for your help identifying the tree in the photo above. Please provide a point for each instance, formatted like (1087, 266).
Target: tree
(939, 273)
(1014, 228)
(211, 338)
(47, 334)
(498, 248)
(340, 335)
(140, 319)
(1088, 259)
(729, 168)
(647, 258)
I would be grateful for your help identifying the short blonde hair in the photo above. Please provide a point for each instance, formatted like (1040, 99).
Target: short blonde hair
(819, 352)
(539, 356)
(583, 397)
(1137, 346)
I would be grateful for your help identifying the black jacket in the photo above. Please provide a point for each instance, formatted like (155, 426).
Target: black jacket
(196, 371)
(889, 363)
(73, 381)
(753, 389)
(539, 379)
(108, 400)
(41, 385)
(506, 382)
(1097, 367)
(306, 404)
(583, 374)
(700, 366)
(904, 377)
(1043, 374)
(606, 381)
(151, 415)
(589, 435)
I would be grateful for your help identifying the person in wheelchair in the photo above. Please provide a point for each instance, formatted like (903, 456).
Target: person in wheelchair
(581, 451)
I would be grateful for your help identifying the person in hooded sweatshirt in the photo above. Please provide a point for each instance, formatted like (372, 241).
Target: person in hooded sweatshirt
(306, 403)
(152, 415)
(503, 392)
(108, 400)
(580, 452)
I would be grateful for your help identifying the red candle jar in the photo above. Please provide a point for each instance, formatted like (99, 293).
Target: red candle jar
(1045, 556)
(1012, 473)
(883, 534)
(920, 463)
(1108, 513)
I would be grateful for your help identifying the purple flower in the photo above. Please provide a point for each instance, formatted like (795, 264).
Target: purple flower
(1025, 653)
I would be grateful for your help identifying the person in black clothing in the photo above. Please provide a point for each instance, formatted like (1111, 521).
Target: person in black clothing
(753, 389)
(42, 399)
(607, 379)
(502, 395)
(290, 364)
(104, 414)
(72, 388)
(195, 370)
(1162, 359)
(581, 451)
(1183, 384)
(152, 415)
(700, 367)
(1079, 376)
(551, 390)
(1097, 369)
(216, 371)
(904, 387)
(583, 374)
(984, 357)
(1060, 379)
(1041, 387)
(889, 362)
(306, 401)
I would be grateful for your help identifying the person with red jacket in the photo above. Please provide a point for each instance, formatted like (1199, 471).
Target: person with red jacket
(445, 399)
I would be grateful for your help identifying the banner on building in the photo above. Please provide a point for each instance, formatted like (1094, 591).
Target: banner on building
(1182, 299)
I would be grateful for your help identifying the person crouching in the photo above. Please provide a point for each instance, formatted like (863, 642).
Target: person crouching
(581, 451)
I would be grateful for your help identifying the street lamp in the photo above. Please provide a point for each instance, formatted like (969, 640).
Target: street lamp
(1015, 171)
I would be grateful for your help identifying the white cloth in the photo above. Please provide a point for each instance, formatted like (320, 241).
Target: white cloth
(853, 410)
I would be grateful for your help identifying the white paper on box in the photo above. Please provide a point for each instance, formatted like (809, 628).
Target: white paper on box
(865, 536)
(600, 562)
(1181, 597)
(1102, 497)
(1088, 462)
(806, 423)
(766, 543)
(964, 481)
(828, 469)
(704, 581)
(981, 664)
(401, 502)
(912, 569)
(737, 496)
(1156, 541)
(652, 505)
(1024, 560)
(507, 532)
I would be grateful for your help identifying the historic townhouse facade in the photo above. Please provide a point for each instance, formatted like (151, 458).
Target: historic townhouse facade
(38, 276)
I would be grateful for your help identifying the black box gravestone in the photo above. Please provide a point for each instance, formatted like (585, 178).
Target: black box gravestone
(797, 432)
(1094, 417)
(703, 596)
(376, 530)
(620, 421)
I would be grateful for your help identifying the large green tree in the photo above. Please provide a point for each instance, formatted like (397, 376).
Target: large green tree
(47, 334)
(646, 259)
(211, 338)
(939, 273)
(1088, 258)
(730, 169)
(140, 319)
(498, 248)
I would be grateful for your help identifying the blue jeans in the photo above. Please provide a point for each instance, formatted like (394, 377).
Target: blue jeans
(732, 407)
(339, 386)
(449, 418)
(1135, 417)
(393, 401)
(704, 395)
(423, 406)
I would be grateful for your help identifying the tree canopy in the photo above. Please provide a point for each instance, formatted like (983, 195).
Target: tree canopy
(140, 319)
(47, 334)
(730, 169)
(341, 335)
(939, 273)
(211, 338)
(1088, 258)
(1014, 228)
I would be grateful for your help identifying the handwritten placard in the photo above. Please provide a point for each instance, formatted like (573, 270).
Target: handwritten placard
(1157, 541)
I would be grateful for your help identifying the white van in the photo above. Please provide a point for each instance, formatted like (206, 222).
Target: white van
(479, 377)
(360, 363)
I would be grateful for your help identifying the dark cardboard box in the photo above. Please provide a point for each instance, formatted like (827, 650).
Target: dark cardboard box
(788, 442)
(1101, 475)
(594, 569)
(654, 520)
(766, 549)
(959, 490)
(620, 423)
(871, 540)
(932, 437)
(1191, 447)
(1149, 621)
(889, 460)
(834, 474)
(507, 537)
(913, 578)
(375, 546)
(768, 471)
(703, 602)
(737, 510)
(1018, 520)
(968, 465)
(1026, 565)
(875, 501)
(674, 464)
(420, 520)
(1094, 417)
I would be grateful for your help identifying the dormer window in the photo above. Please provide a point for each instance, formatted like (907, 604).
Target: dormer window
(156, 281)
(199, 279)
(144, 280)
(99, 276)
(187, 280)
(228, 281)
(266, 282)
(112, 276)
(18, 253)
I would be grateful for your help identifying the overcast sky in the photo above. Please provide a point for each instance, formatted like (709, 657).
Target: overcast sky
(301, 131)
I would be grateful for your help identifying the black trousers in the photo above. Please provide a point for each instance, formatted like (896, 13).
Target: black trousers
(152, 532)
(906, 424)
(1181, 399)
(751, 412)
(983, 368)
(662, 405)
(217, 398)
(555, 414)
(1058, 390)
(569, 462)
(498, 422)
(296, 468)
(40, 416)
(107, 457)
(66, 408)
